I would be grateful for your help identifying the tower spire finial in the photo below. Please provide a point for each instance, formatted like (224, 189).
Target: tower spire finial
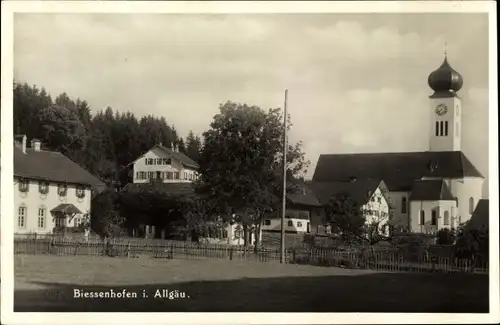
(445, 48)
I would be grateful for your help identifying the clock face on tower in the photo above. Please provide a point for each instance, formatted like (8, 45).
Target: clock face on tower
(441, 109)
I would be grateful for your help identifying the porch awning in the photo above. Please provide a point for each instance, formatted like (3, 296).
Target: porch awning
(66, 208)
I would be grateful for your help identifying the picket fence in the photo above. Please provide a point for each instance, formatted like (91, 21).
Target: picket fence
(383, 261)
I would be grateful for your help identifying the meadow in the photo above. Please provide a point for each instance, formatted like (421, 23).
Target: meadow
(48, 283)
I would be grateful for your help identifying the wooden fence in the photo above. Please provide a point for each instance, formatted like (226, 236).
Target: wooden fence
(383, 261)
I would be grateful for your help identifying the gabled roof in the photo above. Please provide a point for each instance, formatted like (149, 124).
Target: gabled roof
(398, 170)
(431, 190)
(51, 166)
(481, 216)
(360, 190)
(66, 208)
(179, 156)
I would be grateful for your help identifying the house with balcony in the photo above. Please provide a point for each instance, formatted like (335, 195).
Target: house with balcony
(51, 191)
(166, 165)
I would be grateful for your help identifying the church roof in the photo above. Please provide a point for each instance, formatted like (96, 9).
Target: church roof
(398, 170)
(431, 190)
(359, 190)
(303, 195)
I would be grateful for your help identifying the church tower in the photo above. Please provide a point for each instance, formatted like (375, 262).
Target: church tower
(445, 109)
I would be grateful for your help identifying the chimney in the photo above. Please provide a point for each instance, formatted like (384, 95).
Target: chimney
(36, 144)
(20, 141)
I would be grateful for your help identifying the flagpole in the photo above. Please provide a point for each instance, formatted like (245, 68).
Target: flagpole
(283, 210)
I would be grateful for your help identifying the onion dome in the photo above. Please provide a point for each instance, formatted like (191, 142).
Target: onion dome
(445, 79)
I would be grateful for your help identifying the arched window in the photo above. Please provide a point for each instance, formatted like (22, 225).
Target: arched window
(437, 128)
(434, 217)
(471, 205)
(446, 128)
(421, 220)
(446, 218)
(404, 203)
(290, 223)
(441, 128)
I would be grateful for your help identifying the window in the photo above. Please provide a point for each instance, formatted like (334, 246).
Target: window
(437, 128)
(267, 222)
(43, 187)
(299, 224)
(434, 218)
(21, 217)
(290, 223)
(379, 199)
(167, 161)
(77, 221)
(146, 161)
(24, 185)
(158, 175)
(421, 220)
(149, 161)
(176, 175)
(441, 128)
(446, 128)
(185, 175)
(471, 205)
(41, 218)
(403, 205)
(151, 175)
(446, 218)
(158, 161)
(456, 200)
(80, 192)
(137, 175)
(62, 189)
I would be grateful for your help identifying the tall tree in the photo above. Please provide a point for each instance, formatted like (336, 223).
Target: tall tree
(240, 165)
(61, 130)
(193, 146)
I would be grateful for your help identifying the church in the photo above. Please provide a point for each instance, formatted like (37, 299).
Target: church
(429, 190)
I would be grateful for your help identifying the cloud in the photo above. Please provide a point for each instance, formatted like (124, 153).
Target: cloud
(356, 83)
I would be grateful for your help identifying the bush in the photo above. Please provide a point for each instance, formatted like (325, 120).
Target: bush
(445, 237)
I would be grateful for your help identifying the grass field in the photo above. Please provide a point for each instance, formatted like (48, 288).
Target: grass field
(47, 283)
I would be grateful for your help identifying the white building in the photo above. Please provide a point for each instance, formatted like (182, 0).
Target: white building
(370, 195)
(50, 190)
(166, 165)
(429, 190)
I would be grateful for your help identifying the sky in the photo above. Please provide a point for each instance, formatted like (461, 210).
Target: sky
(356, 82)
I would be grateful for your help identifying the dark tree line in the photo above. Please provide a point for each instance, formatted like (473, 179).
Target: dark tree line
(104, 143)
